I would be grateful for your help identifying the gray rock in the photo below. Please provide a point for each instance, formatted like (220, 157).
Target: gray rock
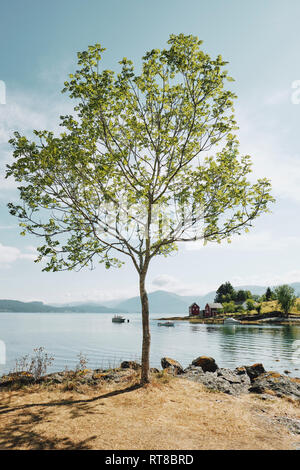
(233, 377)
(255, 370)
(172, 366)
(86, 376)
(293, 425)
(245, 379)
(279, 384)
(222, 380)
(116, 375)
(55, 378)
(208, 364)
(130, 365)
(193, 370)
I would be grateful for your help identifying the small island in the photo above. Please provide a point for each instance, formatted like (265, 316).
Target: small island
(280, 306)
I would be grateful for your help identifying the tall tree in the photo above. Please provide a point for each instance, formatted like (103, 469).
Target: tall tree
(242, 295)
(132, 174)
(268, 294)
(286, 298)
(225, 293)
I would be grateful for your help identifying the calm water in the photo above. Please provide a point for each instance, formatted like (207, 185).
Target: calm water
(106, 344)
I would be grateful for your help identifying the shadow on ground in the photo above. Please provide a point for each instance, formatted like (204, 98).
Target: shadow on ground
(20, 430)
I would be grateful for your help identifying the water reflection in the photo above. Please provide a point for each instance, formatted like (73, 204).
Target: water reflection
(234, 345)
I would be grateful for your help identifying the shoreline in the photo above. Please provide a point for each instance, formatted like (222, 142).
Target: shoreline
(220, 320)
(242, 379)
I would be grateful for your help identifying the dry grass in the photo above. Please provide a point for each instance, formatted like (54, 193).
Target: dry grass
(272, 306)
(168, 414)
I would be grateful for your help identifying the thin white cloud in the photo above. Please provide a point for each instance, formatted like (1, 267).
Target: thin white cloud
(164, 280)
(11, 254)
(177, 286)
(27, 111)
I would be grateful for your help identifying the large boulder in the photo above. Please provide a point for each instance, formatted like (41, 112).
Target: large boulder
(117, 375)
(276, 384)
(255, 371)
(56, 377)
(208, 364)
(85, 376)
(172, 366)
(82, 376)
(130, 365)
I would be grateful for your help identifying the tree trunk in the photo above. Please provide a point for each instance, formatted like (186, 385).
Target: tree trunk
(146, 331)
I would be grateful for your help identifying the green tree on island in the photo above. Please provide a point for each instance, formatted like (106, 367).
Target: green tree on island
(258, 308)
(225, 293)
(132, 173)
(241, 295)
(286, 298)
(269, 295)
(250, 305)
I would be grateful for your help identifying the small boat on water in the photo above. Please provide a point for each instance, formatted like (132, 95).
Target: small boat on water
(118, 319)
(167, 323)
(231, 321)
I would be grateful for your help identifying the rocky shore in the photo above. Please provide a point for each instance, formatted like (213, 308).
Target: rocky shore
(244, 379)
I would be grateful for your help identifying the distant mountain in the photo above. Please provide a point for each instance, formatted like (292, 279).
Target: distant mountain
(160, 301)
(40, 307)
(90, 303)
(167, 302)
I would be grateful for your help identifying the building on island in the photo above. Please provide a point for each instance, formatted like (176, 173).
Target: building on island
(211, 310)
(194, 309)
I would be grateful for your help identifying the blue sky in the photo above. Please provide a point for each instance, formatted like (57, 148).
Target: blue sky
(260, 39)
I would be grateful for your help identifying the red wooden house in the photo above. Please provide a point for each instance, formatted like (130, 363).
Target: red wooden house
(194, 309)
(211, 310)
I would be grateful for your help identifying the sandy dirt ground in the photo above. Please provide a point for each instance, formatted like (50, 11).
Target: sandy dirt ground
(171, 414)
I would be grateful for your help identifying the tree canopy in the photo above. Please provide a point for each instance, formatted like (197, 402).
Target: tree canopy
(286, 297)
(269, 295)
(226, 293)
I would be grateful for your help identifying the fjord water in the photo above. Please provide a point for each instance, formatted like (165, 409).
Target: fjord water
(105, 344)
